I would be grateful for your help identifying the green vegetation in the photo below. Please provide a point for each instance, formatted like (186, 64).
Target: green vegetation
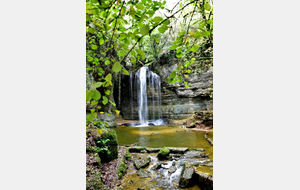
(163, 153)
(107, 143)
(123, 35)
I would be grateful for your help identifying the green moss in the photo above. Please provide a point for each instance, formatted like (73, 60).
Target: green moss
(122, 168)
(163, 153)
(127, 155)
(112, 145)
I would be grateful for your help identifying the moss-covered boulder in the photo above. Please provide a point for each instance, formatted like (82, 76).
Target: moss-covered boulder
(122, 168)
(142, 162)
(163, 153)
(107, 145)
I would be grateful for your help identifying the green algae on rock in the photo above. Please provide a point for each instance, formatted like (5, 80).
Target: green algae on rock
(142, 162)
(163, 153)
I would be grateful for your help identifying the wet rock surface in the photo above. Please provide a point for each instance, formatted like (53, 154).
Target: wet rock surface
(168, 174)
(143, 173)
(163, 153)
(141, 162)
(186, 176)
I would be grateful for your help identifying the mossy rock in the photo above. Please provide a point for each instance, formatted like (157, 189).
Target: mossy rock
(112, 145)
(142, 162)
(163, 153)
(94, 183)
(122, 168)
(127, 155)
(187, 175)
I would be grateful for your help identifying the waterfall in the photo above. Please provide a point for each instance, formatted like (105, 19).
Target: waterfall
(131, 94)
(141, 82)
(155, 91)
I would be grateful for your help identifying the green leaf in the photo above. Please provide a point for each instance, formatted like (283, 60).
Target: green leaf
(178, 50)
(97, 85)
(197, 34)
(162, 29)
(90, 118)
(186, 76)
(206, 33)
(117, 67)
(156, 39)
(157, 19)
(178, 55)
(207, 6)
(108, 77)
(140, 6)
(210, 21)
(89, 95)
(107, 62)
(173, 74)
(173, 47)
(107, 92)
(97, 95)
(94, 102)
(141, 53)
(112, 103)
(133, 60)
(121, 54)
(125, 71)
(100, 70)
(89, 68)
(101, 41)
(166, 22)
(105, 100)
(94, 47)
(195, 47)
(145, 29)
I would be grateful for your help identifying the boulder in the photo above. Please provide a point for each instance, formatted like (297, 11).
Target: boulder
(142, 162)
(186, 176)
(172, 169)
(109, 148)
(156, 166)
(136, 149)
(163, 153)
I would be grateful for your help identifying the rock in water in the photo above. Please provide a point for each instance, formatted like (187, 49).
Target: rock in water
(156, 166)
(142, 162)
(143, 173)
(163, 153)
(172, 169)
(186, 176)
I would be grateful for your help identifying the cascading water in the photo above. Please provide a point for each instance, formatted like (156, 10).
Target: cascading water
(141, 82)
(141, 85)
(131, 94)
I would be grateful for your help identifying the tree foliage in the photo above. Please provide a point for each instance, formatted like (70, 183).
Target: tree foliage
(122, 35)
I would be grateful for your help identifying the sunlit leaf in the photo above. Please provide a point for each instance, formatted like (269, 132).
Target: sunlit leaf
(96, 95)
(117, 67)
(140, 6)
(145, 29)
(105, 100)
(108, 77)
(101, 41)
(125, 71)
(157, 19)
(107, 62)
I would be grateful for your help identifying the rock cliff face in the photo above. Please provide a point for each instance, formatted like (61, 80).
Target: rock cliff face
(178, 102)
